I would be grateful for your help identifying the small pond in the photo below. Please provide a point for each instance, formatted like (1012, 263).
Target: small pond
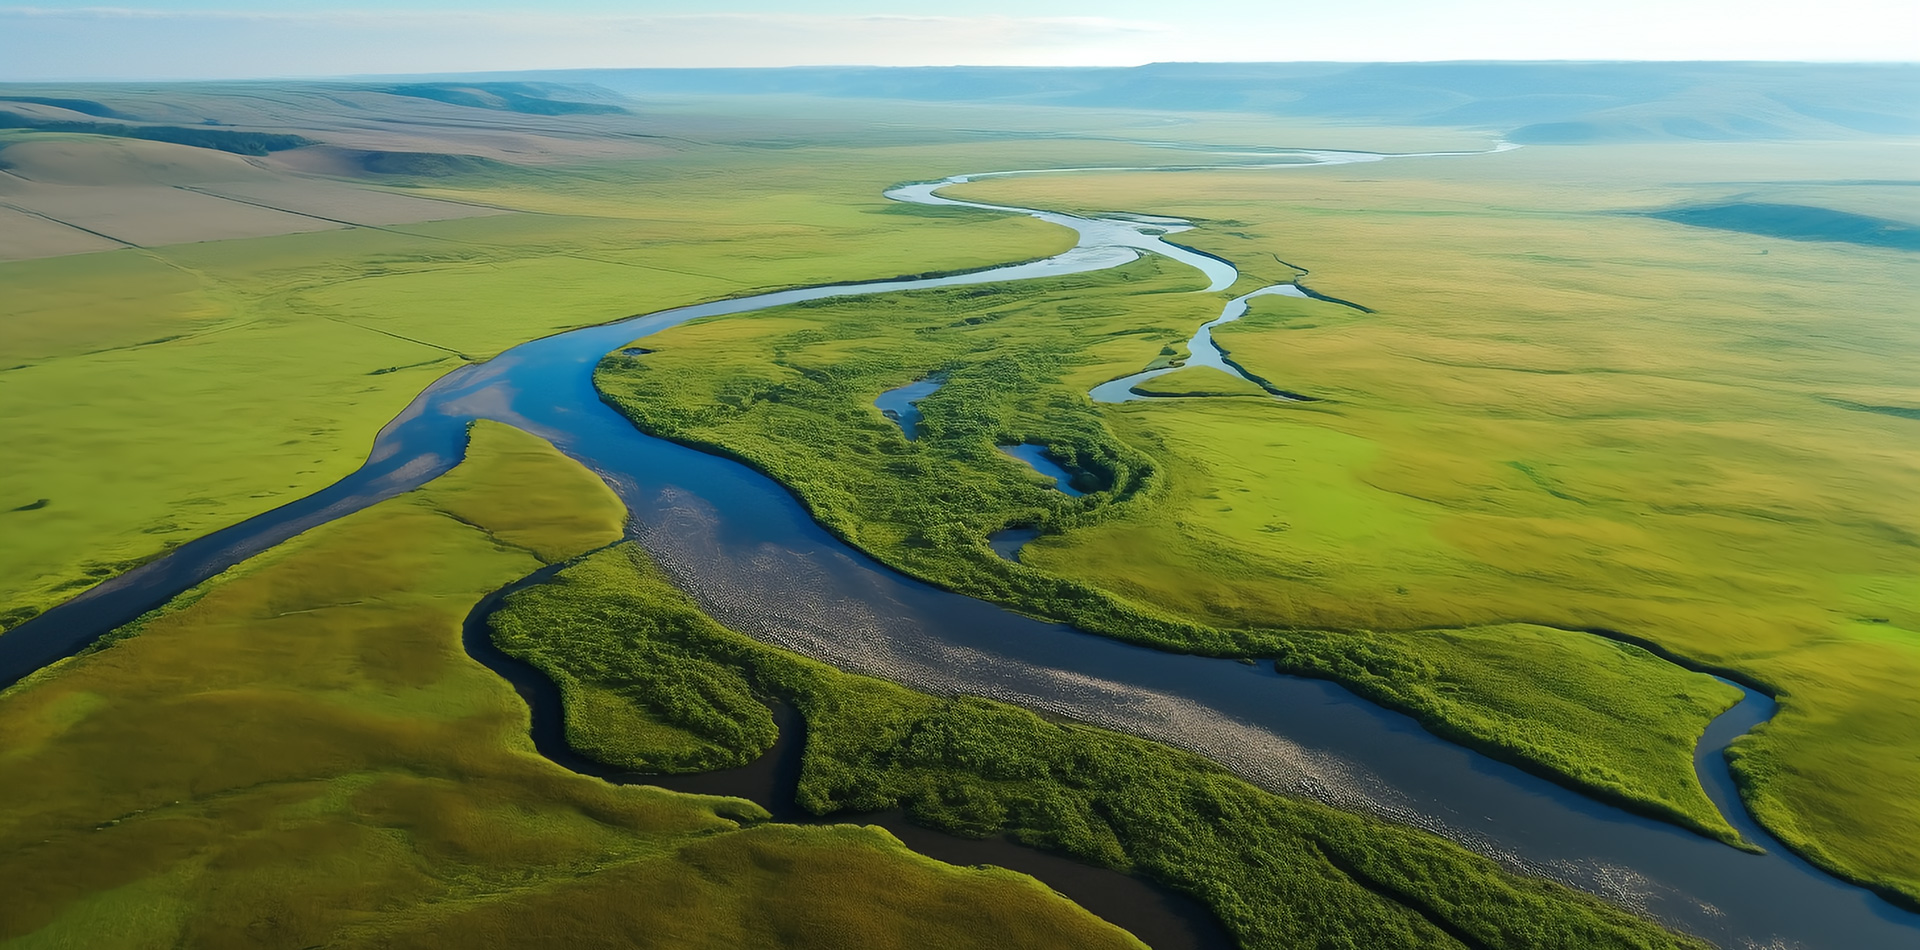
(902, 404)
(1036, 457)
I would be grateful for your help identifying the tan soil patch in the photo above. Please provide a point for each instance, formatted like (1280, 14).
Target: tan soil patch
(151, 215)
(24, 236)
(72, 159)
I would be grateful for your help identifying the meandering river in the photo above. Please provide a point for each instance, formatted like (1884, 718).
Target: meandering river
(1201, 350)
(747, 551)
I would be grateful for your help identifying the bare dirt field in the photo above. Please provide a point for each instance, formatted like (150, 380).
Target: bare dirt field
(24, 236)
(152, 215)
(74, 194)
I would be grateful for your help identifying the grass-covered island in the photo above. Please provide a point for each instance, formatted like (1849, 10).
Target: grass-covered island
(649, 682)
(1531, 501)
(790, 392)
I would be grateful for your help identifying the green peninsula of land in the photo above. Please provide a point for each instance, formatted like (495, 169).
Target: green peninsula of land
(300, 753)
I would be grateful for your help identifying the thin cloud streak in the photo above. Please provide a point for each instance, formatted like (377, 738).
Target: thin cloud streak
(111, 43)
(144, 44)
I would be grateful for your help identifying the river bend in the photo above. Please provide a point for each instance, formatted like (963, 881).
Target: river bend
(742, 546)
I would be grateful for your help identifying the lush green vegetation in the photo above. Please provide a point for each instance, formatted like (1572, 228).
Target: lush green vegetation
(1577, 417)
(791, 392)
(1278, 872)
(300, 753)
(1565, 414)
(172, 391)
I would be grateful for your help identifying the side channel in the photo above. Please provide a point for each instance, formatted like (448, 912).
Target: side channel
(1161, 917)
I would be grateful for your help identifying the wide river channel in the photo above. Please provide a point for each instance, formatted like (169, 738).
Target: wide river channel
(746, 550)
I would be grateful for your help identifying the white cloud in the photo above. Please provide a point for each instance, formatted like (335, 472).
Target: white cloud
(140, 44)
(106, 43)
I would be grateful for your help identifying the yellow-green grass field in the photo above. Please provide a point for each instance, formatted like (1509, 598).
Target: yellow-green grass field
(1561, 417)
(1566, 415)
(155, 394)
(300, 753)
(1200, 381)
(1218, 491)
(634, 655)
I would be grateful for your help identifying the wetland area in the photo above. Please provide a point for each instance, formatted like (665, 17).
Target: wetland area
(880, 552)
(741, 545)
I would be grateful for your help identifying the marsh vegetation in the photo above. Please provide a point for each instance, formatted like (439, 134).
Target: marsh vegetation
(304, 344)
(1566, 450)
(1575, 418)
(300, 753)
(1411, 537)
(790, 391)
(612, 631)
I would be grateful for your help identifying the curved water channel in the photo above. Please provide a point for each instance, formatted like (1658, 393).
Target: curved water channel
(1203, 351)
(742, 546)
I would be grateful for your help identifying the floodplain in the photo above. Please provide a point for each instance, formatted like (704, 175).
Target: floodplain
(304, 344)
(1599, 422)
(787, 391)
(1582, 422)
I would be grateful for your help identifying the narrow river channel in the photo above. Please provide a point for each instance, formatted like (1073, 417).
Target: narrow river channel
(747, 551)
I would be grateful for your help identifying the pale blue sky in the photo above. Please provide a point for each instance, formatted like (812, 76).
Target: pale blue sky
(178, 39)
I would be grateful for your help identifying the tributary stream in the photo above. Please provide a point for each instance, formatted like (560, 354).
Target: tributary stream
(749, 553)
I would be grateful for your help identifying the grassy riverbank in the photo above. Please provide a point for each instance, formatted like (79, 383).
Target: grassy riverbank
(1200, 381)
(791, 391)
(191, 336)
(1278, 872)
(1576, 416)
(174, 388)
(209, 382)
(300, 752)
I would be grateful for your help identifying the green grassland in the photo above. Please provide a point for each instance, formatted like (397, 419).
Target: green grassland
(1278, 872)
(1564, 416)
(299, 753)
(1566, 413)
(1199, 381)
(170, 391)
(790, 391)
(167, 392)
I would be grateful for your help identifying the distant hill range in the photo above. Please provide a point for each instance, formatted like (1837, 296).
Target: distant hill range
(1535, 103)
(150, 108)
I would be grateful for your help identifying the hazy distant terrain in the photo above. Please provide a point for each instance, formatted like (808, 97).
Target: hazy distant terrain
(152, 169)
(1560, 103)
